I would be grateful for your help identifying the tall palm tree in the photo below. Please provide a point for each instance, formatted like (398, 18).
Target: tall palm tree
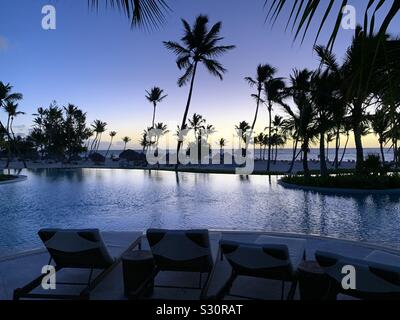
(264, 73)
(155, 96)
(99, 127)
(126, 140)
(200, 46)
(300, 90)
(112, 136)
(275, 92)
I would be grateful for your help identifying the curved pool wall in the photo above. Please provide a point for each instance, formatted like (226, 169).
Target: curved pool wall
(133, 200)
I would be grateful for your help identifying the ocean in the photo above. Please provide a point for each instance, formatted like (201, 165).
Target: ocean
(286, 154)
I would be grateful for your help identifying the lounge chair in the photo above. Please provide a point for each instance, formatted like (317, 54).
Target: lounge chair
(374, 280)
(180, 251)
(76, 249)
(267, 261)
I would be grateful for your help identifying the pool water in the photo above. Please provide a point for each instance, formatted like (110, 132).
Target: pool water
(121, 200)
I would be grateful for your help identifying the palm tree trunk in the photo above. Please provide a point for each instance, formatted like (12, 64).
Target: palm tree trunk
(185, 115)
(276, 154)
(257, 109)
(154, 114)
(294, 155)
(269, 136)
(357, 117)
(305, 158)
(8, 143)
(345, 149)
(109, 147)
(337, 146)
(382, 152)
(93, 144)
(323, 167)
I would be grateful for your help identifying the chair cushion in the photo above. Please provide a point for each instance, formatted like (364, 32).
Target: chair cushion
(266, 261)
(181, 250)
(76, 248)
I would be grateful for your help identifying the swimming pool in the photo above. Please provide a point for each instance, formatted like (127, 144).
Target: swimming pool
(136, 200)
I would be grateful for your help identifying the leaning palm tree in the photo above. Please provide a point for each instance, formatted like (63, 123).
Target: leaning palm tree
(99, 127)
(264, 73)
(112, 136)
(126, 140)
(155, 96)
(200, 46)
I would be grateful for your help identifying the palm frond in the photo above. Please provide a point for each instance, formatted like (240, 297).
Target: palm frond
(302, 15)
(149, 14)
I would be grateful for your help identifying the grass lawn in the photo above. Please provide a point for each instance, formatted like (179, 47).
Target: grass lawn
(350, 181)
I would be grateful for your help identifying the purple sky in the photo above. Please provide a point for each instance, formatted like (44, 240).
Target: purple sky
(95, 61)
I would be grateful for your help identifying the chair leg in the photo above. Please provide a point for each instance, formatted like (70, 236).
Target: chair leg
(283, 290)
(292, 290)
(226, 289)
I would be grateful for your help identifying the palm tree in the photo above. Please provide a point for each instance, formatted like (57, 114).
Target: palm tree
(142, 13)
(264, 73)
(126, 140)
(112, 136)
(302, 14)
(99, 127)
(197, 123)
(303, 120)
(161, 130)
(275, 91)
(260, 139)
(280, 135)
(330, 137)
(200, 45)
(8, 103)
(155, 96)
(11, 108)
(380, 124)
(242, 132)
(222, 144)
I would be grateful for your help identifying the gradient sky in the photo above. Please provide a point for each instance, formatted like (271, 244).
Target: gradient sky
(95, 61)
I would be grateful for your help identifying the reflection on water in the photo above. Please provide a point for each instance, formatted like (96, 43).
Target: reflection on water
(137, 200)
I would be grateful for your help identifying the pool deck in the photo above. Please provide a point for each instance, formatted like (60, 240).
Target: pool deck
(18, 270)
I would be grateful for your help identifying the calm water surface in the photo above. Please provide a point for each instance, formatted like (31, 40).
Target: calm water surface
(137, 200)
